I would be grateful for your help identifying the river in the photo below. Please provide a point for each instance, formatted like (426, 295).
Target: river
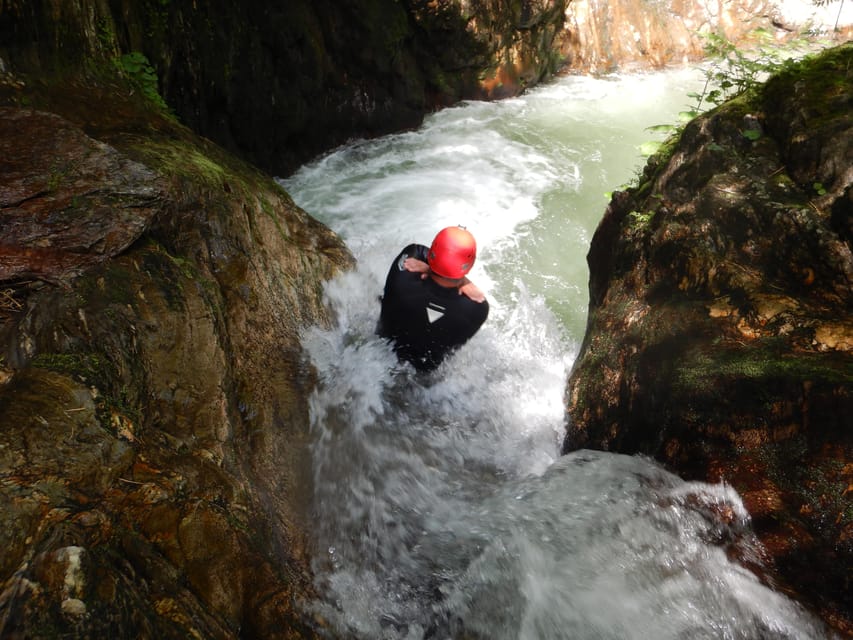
(441, 505)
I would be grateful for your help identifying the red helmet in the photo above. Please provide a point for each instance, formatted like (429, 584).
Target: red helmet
(452, 253)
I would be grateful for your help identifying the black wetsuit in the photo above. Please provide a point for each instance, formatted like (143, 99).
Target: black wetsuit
(425, 321)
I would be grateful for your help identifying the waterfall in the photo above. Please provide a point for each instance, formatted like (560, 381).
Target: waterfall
(441, 506)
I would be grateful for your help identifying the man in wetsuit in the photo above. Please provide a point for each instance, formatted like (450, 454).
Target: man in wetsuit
(429, 307)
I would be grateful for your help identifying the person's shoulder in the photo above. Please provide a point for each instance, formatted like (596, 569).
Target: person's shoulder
(482, 308)
(413, 250)
(472, 306)
(418, 251)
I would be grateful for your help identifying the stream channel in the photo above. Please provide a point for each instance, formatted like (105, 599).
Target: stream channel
(441, 506)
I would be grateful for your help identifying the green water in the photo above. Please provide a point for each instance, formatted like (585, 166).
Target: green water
(441, 507)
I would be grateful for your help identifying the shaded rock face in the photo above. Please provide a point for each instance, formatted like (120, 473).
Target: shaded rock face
(153, 392)
(281, 82)
(720, 332)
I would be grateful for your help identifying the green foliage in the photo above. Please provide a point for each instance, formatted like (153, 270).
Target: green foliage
(650, 147)
(732, 72)
(641, 219)
(105, 33)
(97, 372)
(138, 70)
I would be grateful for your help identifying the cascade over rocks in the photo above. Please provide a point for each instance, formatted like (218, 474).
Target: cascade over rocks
(720, 330)
(153, 393)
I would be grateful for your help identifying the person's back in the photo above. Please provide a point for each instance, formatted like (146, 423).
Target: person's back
(423, 310)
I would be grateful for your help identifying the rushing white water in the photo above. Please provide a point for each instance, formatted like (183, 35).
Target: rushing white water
(442, 508)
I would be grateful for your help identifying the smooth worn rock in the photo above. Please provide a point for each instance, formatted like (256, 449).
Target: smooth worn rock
(153, 403)
(721, 309)
(66, 201)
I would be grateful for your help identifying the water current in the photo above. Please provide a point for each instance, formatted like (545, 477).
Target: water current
(441, 506)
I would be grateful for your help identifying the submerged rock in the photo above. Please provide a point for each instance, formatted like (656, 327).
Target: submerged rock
(153, 410)
(721, 317)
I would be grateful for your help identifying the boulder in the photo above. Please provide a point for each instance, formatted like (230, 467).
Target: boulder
(153, 396)
(720, 329)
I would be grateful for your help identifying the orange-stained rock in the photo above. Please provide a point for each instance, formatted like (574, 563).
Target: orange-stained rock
(602, 37)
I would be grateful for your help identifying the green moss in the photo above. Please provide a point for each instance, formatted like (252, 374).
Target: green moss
(84, 367)
(166, 272)
(187, 161)
(105, 33)
(766, 359)
(657, 161)
(210, 168)
(818, 482)
(206, 165)
(113, 284)
(640, 220)
(782, 179)
(96, 372)
(827, 77)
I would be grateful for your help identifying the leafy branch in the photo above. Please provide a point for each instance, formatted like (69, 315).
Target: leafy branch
(732, 72)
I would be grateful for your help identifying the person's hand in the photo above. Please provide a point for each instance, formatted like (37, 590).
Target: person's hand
(416, 266)
(468, 288)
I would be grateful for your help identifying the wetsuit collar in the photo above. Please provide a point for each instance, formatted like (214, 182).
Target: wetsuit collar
(447, 283)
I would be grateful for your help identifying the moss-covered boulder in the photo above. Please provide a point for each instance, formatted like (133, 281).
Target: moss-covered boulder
(153, 393)
(720, 332)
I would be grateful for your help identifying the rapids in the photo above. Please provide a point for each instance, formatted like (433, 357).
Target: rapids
(441, 506)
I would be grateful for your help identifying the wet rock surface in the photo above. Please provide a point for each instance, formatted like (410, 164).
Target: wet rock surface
(153, 392)
(54, 233)
(281, 83)
(720, 334)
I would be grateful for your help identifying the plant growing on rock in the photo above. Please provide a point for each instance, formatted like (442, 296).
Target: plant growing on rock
(140, 73)
(732, 71)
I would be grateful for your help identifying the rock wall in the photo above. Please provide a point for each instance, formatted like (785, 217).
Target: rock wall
(720, 333)
(280, 83)
(152, 288)
(153, 393)
(602, 37)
